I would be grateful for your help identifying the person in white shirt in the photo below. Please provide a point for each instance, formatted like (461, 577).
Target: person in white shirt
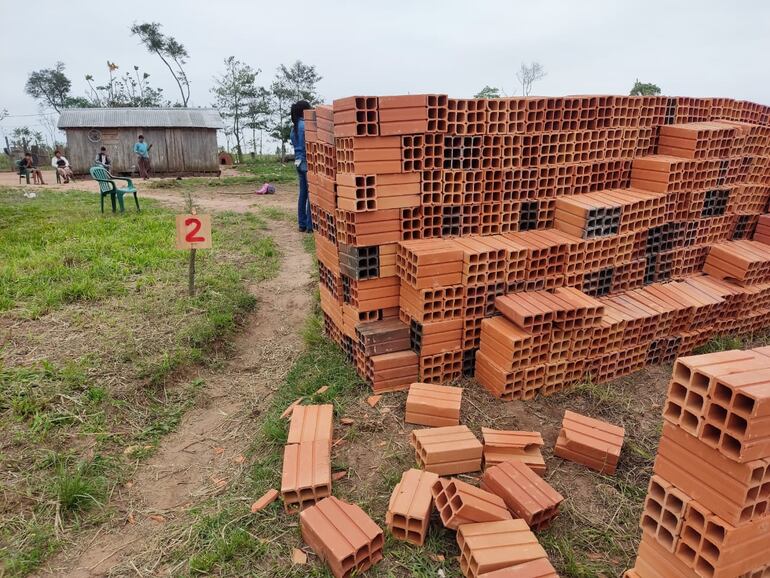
(62, 166)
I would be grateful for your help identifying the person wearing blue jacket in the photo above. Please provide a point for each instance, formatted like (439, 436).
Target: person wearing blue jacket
(297, 137)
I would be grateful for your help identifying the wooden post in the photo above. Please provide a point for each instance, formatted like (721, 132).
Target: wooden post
(191, 269)
(191, 274)
(193, 232)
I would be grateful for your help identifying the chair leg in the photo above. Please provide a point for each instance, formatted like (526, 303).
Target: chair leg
(120, 202)
(136, 200)
(112, 199)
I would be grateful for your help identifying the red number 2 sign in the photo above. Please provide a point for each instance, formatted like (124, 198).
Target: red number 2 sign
(193, 225)
(193, 231)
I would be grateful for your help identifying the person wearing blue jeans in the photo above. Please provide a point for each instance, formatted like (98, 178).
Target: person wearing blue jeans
(300, 161)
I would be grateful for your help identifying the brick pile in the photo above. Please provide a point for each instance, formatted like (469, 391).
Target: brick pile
(706, 509)
(532, 242)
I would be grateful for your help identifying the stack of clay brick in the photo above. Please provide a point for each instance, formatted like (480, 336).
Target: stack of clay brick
(707, 511)
(341, 534)
(426, 209)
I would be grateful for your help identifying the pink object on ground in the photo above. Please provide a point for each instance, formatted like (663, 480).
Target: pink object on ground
(266, 189)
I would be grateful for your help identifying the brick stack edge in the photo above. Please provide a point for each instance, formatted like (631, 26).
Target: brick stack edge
(641, 211)
(707, 506)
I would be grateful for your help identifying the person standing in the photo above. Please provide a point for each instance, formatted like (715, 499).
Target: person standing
(62, 166)
(103, 159)
(142, 150)
(297, 137)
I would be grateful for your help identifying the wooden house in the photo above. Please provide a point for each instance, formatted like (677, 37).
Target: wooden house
(184, 140)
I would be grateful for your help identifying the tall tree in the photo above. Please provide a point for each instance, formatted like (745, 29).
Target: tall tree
(129, 90)
(258, 114)
(528, 75)
(233, 92)
(488, 92)
(169, 50)
(50, 86)
(296, 82)
(3, 113)
(644, 89)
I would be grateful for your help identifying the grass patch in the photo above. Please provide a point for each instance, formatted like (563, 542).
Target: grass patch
(269, 169)
(275, 214)
(100, 301)
(720, 343)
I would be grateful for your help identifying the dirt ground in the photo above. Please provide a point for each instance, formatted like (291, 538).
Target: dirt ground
(205, 452)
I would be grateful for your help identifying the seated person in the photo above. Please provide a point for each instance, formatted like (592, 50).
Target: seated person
(62, 166)
(103, 159)
(27, 167)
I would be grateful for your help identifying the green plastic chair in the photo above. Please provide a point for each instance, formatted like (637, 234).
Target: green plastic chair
(23, 172)
(107, 187)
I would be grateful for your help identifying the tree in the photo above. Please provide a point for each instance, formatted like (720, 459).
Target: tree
(488, 92)
(644, 89)
(50, 86)
(233, 92)
(297, 82)
(169, 50)
(258, 115)
(528, 75)
(23, 138)
(3, 113)
(131, 89)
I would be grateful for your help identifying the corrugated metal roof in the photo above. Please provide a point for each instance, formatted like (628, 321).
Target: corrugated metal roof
(140, 117)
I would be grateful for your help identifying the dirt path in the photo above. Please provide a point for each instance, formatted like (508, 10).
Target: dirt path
(204, 455)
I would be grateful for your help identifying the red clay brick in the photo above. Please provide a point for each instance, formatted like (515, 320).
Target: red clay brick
(343, 536)
(306, 476)
(524, 492)
(523, 446)
(311, 423)
(447, 450)
(411, 504)
(590, 442)
(489, 546)
(433, 405)
(460, 503)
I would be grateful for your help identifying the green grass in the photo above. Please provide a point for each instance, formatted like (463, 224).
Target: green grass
(100, 302)
(720, 343)
(269, 169)
(221, 537)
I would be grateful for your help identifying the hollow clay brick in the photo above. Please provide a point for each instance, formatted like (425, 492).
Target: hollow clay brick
(525, 493)
(460, 503)
(591, 442)
(523, 446)
(410, 506)
(729, 489)
(489, 546)
(306, 476)
(343, 536)
(433, 405)
(310, 423)
(447, 450)
(540, 568)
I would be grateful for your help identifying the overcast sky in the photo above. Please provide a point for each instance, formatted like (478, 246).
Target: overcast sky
(703, 48)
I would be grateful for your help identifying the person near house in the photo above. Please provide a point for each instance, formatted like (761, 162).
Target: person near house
(62, 166)
(142, 151)
(103, 159)
(27, 166)
(297, 137)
